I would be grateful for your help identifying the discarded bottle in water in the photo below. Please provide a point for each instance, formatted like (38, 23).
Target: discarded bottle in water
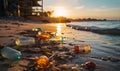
(37, 29)
(11, 53)
(82, 49)
(56, 39)
(25, 41)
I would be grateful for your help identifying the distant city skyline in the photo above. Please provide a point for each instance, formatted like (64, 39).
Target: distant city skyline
(109, 9)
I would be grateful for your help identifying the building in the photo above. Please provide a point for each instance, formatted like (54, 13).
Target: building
(21, 7)
(30, 7)
(3, 7)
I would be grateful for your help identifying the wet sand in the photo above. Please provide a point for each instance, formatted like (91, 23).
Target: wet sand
(10, 31)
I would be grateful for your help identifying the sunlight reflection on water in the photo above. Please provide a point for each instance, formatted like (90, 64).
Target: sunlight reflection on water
(109, 45)
(58, 29)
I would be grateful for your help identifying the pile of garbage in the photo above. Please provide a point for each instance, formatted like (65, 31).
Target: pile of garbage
(46, 52)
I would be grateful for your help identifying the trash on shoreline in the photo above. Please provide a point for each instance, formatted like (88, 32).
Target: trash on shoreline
(43, 36)
(10, 53)
(82, 49)
(90, 65)
(25, 41)
(36, 29)
(42, 62)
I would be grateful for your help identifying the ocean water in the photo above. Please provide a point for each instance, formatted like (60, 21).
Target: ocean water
(102, 45)
(99, 24)
(101, 27)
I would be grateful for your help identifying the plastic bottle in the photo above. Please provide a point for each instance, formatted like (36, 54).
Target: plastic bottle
(37, 29)
(82, 49)
(25, 41)
(43, 36)
(11, 53)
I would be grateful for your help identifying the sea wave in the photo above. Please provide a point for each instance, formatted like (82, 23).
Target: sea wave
(110, 31)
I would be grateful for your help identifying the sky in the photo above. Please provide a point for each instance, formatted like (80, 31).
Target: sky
(109, 9)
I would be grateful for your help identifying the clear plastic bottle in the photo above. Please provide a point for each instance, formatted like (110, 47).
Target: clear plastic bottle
(10, 53)
(25, 41)
(82, 49)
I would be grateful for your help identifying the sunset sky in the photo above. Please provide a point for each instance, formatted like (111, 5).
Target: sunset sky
(109, 9)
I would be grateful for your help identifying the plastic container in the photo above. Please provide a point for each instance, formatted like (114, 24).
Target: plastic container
(43, 36)
(11, 53)
(25, 41)
(42, 62)
(82, 49)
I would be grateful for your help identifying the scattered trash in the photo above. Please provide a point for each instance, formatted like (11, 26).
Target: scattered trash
(43, 36)
(82, 49)
(25, 41)
(54, 57)
(10, 53)
(69, 67)
(90, 65)
(42, 62)
(36, 29)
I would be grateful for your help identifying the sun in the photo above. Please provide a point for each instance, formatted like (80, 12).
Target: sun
(60, 11)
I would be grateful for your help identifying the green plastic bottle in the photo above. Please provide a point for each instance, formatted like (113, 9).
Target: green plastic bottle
(37, 29)
(10, 53)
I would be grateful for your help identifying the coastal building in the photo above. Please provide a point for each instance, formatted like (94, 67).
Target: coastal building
(21, 7)
(30, 7)
(3, 7)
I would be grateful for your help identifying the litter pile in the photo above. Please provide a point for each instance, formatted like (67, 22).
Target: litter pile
(45, 52)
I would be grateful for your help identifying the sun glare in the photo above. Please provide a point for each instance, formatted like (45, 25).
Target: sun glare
(59, 11)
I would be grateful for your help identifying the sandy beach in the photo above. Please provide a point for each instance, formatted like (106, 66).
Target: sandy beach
(63, 61)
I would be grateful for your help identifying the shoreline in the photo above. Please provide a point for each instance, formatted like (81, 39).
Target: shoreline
(11, 31)
(94, 29)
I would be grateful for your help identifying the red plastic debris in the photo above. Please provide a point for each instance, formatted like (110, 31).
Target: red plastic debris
(76, 49)
(90, 64)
